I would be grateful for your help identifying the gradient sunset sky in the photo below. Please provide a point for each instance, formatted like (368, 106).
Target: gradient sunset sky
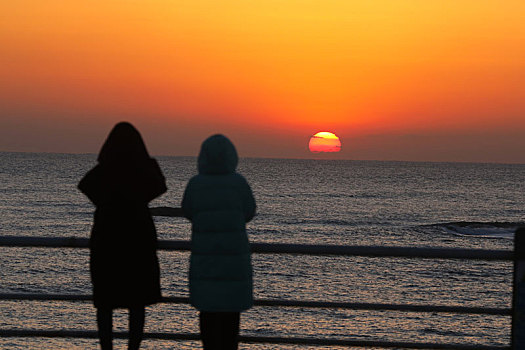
(433, 80)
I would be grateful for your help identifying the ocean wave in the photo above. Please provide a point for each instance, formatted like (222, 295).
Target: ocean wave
(503, 230)
(321, 222)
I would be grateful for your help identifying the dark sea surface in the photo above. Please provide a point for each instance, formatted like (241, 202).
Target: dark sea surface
(299, 201)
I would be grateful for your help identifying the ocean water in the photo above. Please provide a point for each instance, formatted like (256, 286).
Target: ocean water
(299, 201)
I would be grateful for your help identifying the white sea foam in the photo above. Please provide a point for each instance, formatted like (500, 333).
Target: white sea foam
(482, 230)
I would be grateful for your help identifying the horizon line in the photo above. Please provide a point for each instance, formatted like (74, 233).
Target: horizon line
(292, 158)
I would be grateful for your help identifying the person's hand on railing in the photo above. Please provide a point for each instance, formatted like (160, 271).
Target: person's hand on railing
(166, 211)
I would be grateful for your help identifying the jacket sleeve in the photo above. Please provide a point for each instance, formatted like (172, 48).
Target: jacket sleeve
(186, 205)
(156, 182)
(91, 186)
(248, 202)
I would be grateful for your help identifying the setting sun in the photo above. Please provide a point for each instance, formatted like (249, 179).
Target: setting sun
(324, 141)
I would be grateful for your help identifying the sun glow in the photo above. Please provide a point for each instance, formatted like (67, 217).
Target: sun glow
(392, 78)
(324, 141)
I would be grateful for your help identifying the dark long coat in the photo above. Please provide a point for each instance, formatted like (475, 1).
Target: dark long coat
(123, 261)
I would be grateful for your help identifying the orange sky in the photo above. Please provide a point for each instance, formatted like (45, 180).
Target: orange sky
(405, 80)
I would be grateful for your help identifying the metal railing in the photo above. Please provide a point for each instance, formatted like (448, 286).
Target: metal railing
(518, 318)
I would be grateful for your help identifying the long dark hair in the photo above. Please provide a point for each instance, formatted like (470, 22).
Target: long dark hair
(123, 145)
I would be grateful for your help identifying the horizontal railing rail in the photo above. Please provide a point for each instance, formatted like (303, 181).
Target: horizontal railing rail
(273, 248)
(283, 248)
(252, 339)
(290, 303)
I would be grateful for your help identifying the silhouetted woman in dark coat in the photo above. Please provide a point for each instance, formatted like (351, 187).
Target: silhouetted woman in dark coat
(123, 260)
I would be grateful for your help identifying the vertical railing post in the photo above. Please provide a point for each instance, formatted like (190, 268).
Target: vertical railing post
(518, 292)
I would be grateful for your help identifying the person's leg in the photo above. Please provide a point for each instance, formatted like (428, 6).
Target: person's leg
(230, 330)
(105, 325)
(210, 330)
(137, 316)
